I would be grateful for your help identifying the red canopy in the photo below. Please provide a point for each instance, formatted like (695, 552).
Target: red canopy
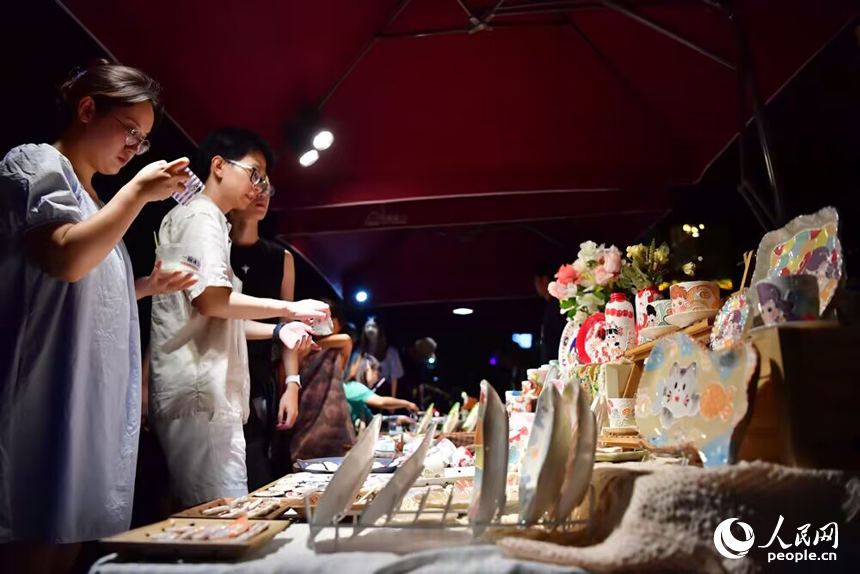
(460, 156)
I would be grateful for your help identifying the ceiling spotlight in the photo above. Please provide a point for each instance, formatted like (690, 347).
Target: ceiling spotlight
(701, 226)
(687, 228)
(361, 296)
(463, 311)
(309, 158)
(323, 140)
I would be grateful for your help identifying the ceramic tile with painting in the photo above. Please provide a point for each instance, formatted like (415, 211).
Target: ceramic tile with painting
(808, 245)
(690, 396)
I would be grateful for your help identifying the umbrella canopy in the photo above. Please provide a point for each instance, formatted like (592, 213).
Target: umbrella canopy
(471, 135)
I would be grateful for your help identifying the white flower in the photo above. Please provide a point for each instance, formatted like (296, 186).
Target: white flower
(590, 251)
(581, 316)
(590, 302)
(581, 266)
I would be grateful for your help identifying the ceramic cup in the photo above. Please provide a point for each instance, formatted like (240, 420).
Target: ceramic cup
(621, 412)
(694, 296)
(788, 298)
(655, 313)
(178, 257)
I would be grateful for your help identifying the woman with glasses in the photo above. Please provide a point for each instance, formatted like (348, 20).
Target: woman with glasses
(69, 344)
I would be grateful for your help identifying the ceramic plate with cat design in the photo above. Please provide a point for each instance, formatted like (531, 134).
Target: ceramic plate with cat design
(689, 395)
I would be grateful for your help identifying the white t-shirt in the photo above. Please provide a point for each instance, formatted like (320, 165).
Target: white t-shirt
(199, 364)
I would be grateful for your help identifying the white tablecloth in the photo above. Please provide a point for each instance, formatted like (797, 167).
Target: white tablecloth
(288, 552)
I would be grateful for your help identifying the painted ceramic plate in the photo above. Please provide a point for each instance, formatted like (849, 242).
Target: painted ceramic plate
(732, 322)
(658, 331)
(546, 455)
(392, 494)
(807, 244)
(591, 340)
(682, 320)
(424, 423)
(491, 460)
(580, 461)
(567, 353)
(689, 395)
(346, 482)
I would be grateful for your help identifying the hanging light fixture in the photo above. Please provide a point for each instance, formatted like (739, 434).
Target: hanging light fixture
(308, 137)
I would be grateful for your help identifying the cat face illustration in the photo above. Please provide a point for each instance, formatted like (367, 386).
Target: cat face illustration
(679, 394)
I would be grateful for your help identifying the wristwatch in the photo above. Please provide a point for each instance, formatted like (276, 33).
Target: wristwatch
(294, 379)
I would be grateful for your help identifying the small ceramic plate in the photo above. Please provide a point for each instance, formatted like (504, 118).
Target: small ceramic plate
(491, 460)
(567, 354)
(546, 455)
(346, 482)
(658, 331)
(682, 320)
(591, 340)
(732, 322)
(392, 494)
(580, 461)
(424, 423)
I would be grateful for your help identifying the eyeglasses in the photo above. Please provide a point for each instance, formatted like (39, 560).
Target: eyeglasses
(257, 179)
(134, 139)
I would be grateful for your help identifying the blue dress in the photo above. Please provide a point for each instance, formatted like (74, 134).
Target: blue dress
(69, 368)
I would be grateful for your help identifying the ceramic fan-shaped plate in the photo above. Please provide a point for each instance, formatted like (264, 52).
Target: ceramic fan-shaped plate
(491, 460)
(689, 395)
(580, 461)
(732, 322)
(808, 244)
(346, 482)
(392, 494)
(546, 455)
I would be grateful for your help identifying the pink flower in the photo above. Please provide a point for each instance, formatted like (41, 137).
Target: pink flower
(566, 274)
(602, 276)
(612, 261)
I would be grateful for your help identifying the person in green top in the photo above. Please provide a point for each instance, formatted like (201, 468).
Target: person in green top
(360, 396)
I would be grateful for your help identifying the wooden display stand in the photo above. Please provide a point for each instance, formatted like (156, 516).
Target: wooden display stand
(804, 410)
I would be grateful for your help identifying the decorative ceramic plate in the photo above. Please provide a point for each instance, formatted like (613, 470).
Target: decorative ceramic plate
(658, 331)
(491, 460)
(689, 395)
(580, 461)
(732, 322)
(682, 320)
(424, 423)
(567, 353)
(346, 482)
(591, 340)
(392, 494)
(807, 244)
(546, 455)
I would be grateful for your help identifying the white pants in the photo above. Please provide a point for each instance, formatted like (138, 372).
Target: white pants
(206, 458)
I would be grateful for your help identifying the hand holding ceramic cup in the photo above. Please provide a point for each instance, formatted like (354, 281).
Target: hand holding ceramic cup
(788, 298)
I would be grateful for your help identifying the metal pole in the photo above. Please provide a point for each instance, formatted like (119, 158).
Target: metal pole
(747, 82)
(644, 20)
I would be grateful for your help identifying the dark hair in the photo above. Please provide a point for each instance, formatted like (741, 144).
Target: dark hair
(109, 85)
(336, 309)
(230, 143)
(368, 361)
